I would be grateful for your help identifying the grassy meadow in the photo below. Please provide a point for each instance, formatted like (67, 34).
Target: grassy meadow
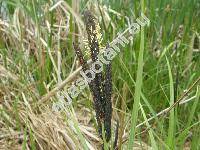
(155, 78)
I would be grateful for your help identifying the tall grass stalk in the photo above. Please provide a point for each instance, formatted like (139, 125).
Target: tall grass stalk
(138, 87)
(171, 129)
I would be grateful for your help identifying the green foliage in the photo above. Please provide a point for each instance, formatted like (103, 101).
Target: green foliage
(151, 80)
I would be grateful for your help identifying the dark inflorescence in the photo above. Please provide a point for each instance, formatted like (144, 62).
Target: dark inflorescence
(101, 86)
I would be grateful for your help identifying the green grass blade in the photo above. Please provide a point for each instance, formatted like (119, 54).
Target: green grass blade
(171, 129)
(182, 137)
(76, 126)
(138, 87)
(150, 131)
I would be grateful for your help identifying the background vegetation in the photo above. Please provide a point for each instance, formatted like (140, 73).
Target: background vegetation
(160, 67)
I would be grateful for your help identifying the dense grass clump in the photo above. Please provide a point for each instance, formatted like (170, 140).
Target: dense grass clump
(154, 79)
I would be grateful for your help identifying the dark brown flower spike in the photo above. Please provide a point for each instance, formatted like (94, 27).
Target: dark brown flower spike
(108, 103)
(80, 57)
(99, 96)
(101, 86)
(83, 63)
(92, 34)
